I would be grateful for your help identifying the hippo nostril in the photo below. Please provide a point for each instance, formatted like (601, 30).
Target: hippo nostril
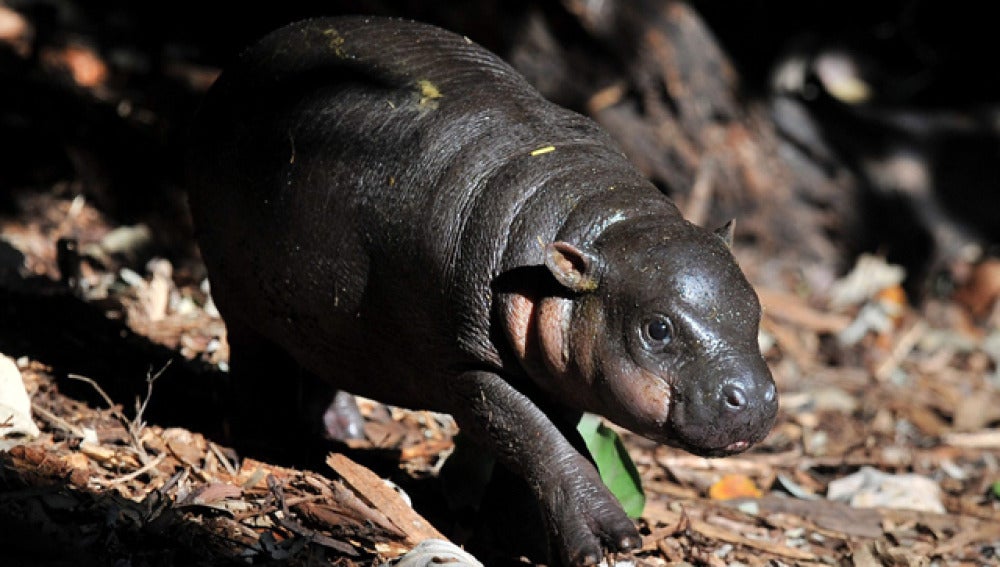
(734, 396)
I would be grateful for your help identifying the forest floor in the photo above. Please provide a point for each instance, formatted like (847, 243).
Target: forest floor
(886, 450)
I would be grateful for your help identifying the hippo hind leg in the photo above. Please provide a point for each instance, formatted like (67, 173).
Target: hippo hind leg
(278, 407)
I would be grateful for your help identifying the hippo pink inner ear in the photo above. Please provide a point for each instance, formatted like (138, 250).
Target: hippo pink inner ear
(571, 266)
(726, 232)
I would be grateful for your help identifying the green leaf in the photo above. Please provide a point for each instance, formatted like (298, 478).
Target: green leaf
(996, 489)
(613, 463)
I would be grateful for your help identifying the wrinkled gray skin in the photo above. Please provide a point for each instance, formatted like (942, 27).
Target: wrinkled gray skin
(370, 203)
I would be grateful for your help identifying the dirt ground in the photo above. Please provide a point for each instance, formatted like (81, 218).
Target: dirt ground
(886, 450)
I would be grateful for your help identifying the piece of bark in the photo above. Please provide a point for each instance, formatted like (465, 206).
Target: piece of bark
(833, 516)
(373, 489)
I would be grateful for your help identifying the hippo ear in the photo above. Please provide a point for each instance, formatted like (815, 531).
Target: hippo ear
(572, 267)
(726, 231)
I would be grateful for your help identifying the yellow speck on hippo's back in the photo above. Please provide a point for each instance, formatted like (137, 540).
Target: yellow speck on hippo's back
(543, 150)
(336, 41)
(428, 92)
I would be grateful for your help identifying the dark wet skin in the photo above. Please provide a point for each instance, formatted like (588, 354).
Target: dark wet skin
(396, 212)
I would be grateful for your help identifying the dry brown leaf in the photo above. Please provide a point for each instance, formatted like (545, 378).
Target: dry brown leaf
(82, 62)
(981, 291)
(215, 492)
(976, 412)
(832, 516)
(15, 31)
(78, 462)
(107, 456)
(733, 486)
(185, 451)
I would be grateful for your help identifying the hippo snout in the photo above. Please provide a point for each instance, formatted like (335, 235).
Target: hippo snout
(727, 413)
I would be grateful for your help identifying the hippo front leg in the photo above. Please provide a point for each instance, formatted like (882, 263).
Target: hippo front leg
(583, 518)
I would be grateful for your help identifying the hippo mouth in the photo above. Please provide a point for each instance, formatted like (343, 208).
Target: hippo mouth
(716, 418)
(709, 441)
(737, 447)
(725, 451)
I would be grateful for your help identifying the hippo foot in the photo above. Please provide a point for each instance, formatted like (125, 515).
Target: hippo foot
(588, 523)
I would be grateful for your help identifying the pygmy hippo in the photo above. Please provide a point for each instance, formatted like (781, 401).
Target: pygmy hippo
(397, 211)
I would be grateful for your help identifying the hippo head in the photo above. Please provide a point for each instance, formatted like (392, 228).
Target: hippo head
(661, 328)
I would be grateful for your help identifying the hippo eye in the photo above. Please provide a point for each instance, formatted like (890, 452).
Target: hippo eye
(658, 331)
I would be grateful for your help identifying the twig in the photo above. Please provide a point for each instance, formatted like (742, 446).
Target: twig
(984, 439)
(278, 493)
(97, 388)
(285, 520)
(144, 469)
(290, 502)
(140, 409)
(313, 536)
(696, 209)
(134, 427)
(157, 501)
(902, 348)
(222, 458)
(139, 451)
(55, 421)
(173, 481)
(686, 524)
(606, 98)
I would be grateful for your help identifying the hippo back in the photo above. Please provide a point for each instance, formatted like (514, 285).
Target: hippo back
(358, 184)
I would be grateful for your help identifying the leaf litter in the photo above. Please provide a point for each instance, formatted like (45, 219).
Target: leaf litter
(886, 448)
